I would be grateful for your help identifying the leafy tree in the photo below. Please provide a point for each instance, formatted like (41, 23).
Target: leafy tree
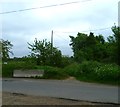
(6, 47)
(83, 46)
(66, 60)
(78, 44)
(44, 54)
(116, 33)
(100, 39)
(91, 40)
(90, 47)
(111, 39)
(114, 44)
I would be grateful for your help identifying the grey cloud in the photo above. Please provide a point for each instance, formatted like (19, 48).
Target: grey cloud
(20, 27)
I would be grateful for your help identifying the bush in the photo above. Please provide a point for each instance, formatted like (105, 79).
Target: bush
(7, 70)
(66, 61)
(23, 65)
(93, 71)
(88, 67)
(86, 71)
(53, 72)
(99, 72)
(73, 69)
(109, 72)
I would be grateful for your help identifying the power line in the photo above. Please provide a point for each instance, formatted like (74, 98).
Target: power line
(56, 32)
(101, 29)
(59, 36)
(54, 5)
(86, 30)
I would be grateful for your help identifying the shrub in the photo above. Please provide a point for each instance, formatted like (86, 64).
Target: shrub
(71, 69)
(7, 70)
(109, 72)
(66, 61)
(99, 72)
(53, 72)
(23, 65)
(88, 67)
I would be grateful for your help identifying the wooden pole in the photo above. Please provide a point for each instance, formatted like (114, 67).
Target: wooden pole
(51, 41)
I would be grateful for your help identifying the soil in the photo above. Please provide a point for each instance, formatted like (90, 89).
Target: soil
(22, 99)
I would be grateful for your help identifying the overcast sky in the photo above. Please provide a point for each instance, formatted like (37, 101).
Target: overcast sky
(25, 26)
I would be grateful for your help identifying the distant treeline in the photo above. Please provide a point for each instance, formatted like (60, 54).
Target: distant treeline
(85, 48)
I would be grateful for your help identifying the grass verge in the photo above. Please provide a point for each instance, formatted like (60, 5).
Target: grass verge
(89, 71)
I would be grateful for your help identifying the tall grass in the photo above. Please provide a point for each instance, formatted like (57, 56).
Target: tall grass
(0, 67)
(49, 72)
(7, 69)
(108, 72)
(73, 69)
(93, 71)
(90, 71)
(53, 72)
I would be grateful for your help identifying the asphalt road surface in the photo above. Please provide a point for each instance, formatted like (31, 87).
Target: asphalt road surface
(63, 89)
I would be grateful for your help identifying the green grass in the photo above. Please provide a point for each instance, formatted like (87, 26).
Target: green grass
(7, 69)
(53, 72)
(92, 71)
(0, 68)
(49, 72)
(73, 69)
(89, 71)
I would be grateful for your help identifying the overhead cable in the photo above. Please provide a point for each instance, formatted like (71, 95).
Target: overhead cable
(54, 5)
(86, 30)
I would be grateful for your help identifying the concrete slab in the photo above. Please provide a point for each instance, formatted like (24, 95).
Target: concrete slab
(28, 73)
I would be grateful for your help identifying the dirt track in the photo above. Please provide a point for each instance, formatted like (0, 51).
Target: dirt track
(21, 99)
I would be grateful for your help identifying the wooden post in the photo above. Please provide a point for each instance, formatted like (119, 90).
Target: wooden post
(51, 41)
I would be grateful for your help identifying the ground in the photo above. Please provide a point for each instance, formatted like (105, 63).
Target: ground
(21, 99)
(24, 99)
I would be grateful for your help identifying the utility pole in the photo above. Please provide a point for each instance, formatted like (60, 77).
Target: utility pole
(51, 41)
(119, 15)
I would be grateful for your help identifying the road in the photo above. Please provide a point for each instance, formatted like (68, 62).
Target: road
(63, 89)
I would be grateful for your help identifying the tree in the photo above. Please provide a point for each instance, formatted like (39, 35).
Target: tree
(6, 47)
(88, 47)
(83, 46)
(45, 55)
(66, 60)
(96, 48)
(100, 39)
(78, 44)
(114, 44)
(91, 40)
